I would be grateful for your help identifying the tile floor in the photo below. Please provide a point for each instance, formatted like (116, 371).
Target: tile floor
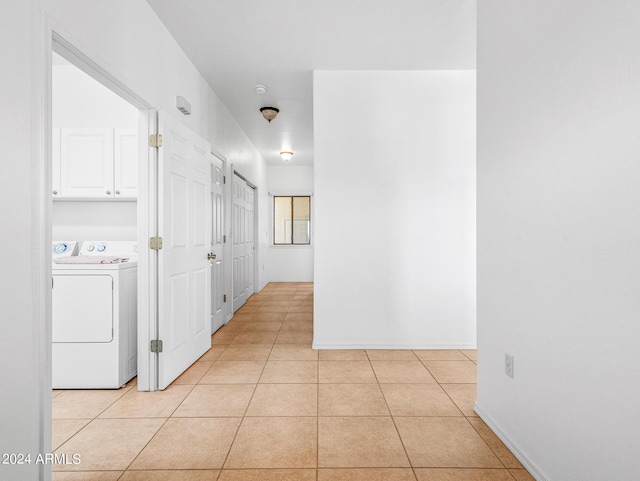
(261, 405)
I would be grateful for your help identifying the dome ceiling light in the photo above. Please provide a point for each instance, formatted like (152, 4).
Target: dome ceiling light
(269, 113)
(286, 156)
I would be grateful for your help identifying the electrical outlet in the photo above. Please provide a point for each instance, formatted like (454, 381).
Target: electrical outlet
(508, 364)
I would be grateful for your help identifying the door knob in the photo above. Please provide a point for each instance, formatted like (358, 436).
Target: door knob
(211, 256)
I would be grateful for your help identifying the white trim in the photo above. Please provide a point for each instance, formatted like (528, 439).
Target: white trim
(290, 193)
(532, 467)
(392, 346)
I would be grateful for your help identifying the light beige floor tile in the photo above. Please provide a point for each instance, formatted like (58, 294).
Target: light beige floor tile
(299, 316)
(275, 442)
(346, 372)
(390, 355)
(522, 475)
(246, 352)
(440, 355)
(108, 444)
(401, 372)
(345, 442)
(84, 404)
(233, 372)
(464, 395)
(366, 474)
(216, 400)
(470, 353)
(213, 354)
(290, 372)
(225, 337)
(270, 316)
(302, 326)
(56, 392)
(284, 400)
(262, 326)
(241, 316)
(173, 475)
(452, 474)
(301, 308)
(351, 400)
(452, 372)
(189, 443)
(156, 404)
(293, 352)
(275, 306)
(418, 400)
(248, 309)
(444, 442)
(282, 296)
(253, 337)
(500, 450)
(343, 355)
(86, 476)
(63, 429)
(294, 337)
(234, 325)
(194, 374)
(268, 475)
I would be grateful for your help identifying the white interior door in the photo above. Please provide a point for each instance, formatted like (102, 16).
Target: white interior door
(184, 270)
(217, 241)
(243, 241)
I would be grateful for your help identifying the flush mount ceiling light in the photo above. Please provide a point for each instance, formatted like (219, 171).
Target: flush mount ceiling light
(286, 156)
(269, 113)
(261, 89)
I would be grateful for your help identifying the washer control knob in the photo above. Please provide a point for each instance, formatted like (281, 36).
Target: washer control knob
(101, 248)
(90, 247)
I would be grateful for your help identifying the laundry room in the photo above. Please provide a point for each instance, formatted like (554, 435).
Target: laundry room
(94, 232)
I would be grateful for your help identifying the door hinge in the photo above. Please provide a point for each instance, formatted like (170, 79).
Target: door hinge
(224, 179)
(155, 140)
(224, 298)
(224, 239)
(155, 243)
(156, 345)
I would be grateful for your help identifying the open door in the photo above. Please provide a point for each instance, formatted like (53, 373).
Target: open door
(217, 244)
(184, 269)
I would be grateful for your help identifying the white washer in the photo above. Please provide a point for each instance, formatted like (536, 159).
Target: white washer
(94, 315)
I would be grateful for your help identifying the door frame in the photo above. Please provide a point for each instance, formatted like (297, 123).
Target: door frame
(56, 40)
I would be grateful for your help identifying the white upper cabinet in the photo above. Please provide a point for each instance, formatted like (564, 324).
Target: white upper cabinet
(95, 164)
(86, 163)
(125, 157)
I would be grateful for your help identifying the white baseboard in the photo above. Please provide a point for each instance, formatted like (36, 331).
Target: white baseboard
(533, 469)
(317, 345)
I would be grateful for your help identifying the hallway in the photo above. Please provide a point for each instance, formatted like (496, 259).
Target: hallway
(261, 405)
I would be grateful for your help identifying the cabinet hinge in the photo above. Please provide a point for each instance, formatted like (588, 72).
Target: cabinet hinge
(155, 243)
(155, 140)
(156, 345)
(224, 298)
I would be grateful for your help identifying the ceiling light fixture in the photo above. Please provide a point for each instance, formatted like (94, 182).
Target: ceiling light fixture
(261, 89)
(286, 156)
(269, 113)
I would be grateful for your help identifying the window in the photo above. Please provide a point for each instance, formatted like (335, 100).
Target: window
(291, 220)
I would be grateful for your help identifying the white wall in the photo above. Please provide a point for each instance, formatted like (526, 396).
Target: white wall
(290, 263)
(558, 234)
(395, 209)
(127, 39)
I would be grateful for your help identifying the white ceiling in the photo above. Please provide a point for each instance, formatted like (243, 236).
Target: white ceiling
(237, 44)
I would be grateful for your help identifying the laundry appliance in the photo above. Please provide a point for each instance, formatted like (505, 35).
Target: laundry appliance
(94, 315)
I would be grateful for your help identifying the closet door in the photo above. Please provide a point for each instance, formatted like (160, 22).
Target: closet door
(243, 241)
(86, 163)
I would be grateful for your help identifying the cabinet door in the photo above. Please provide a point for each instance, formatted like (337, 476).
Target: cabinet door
(126, 163)
(55, 160)
(86, 163)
